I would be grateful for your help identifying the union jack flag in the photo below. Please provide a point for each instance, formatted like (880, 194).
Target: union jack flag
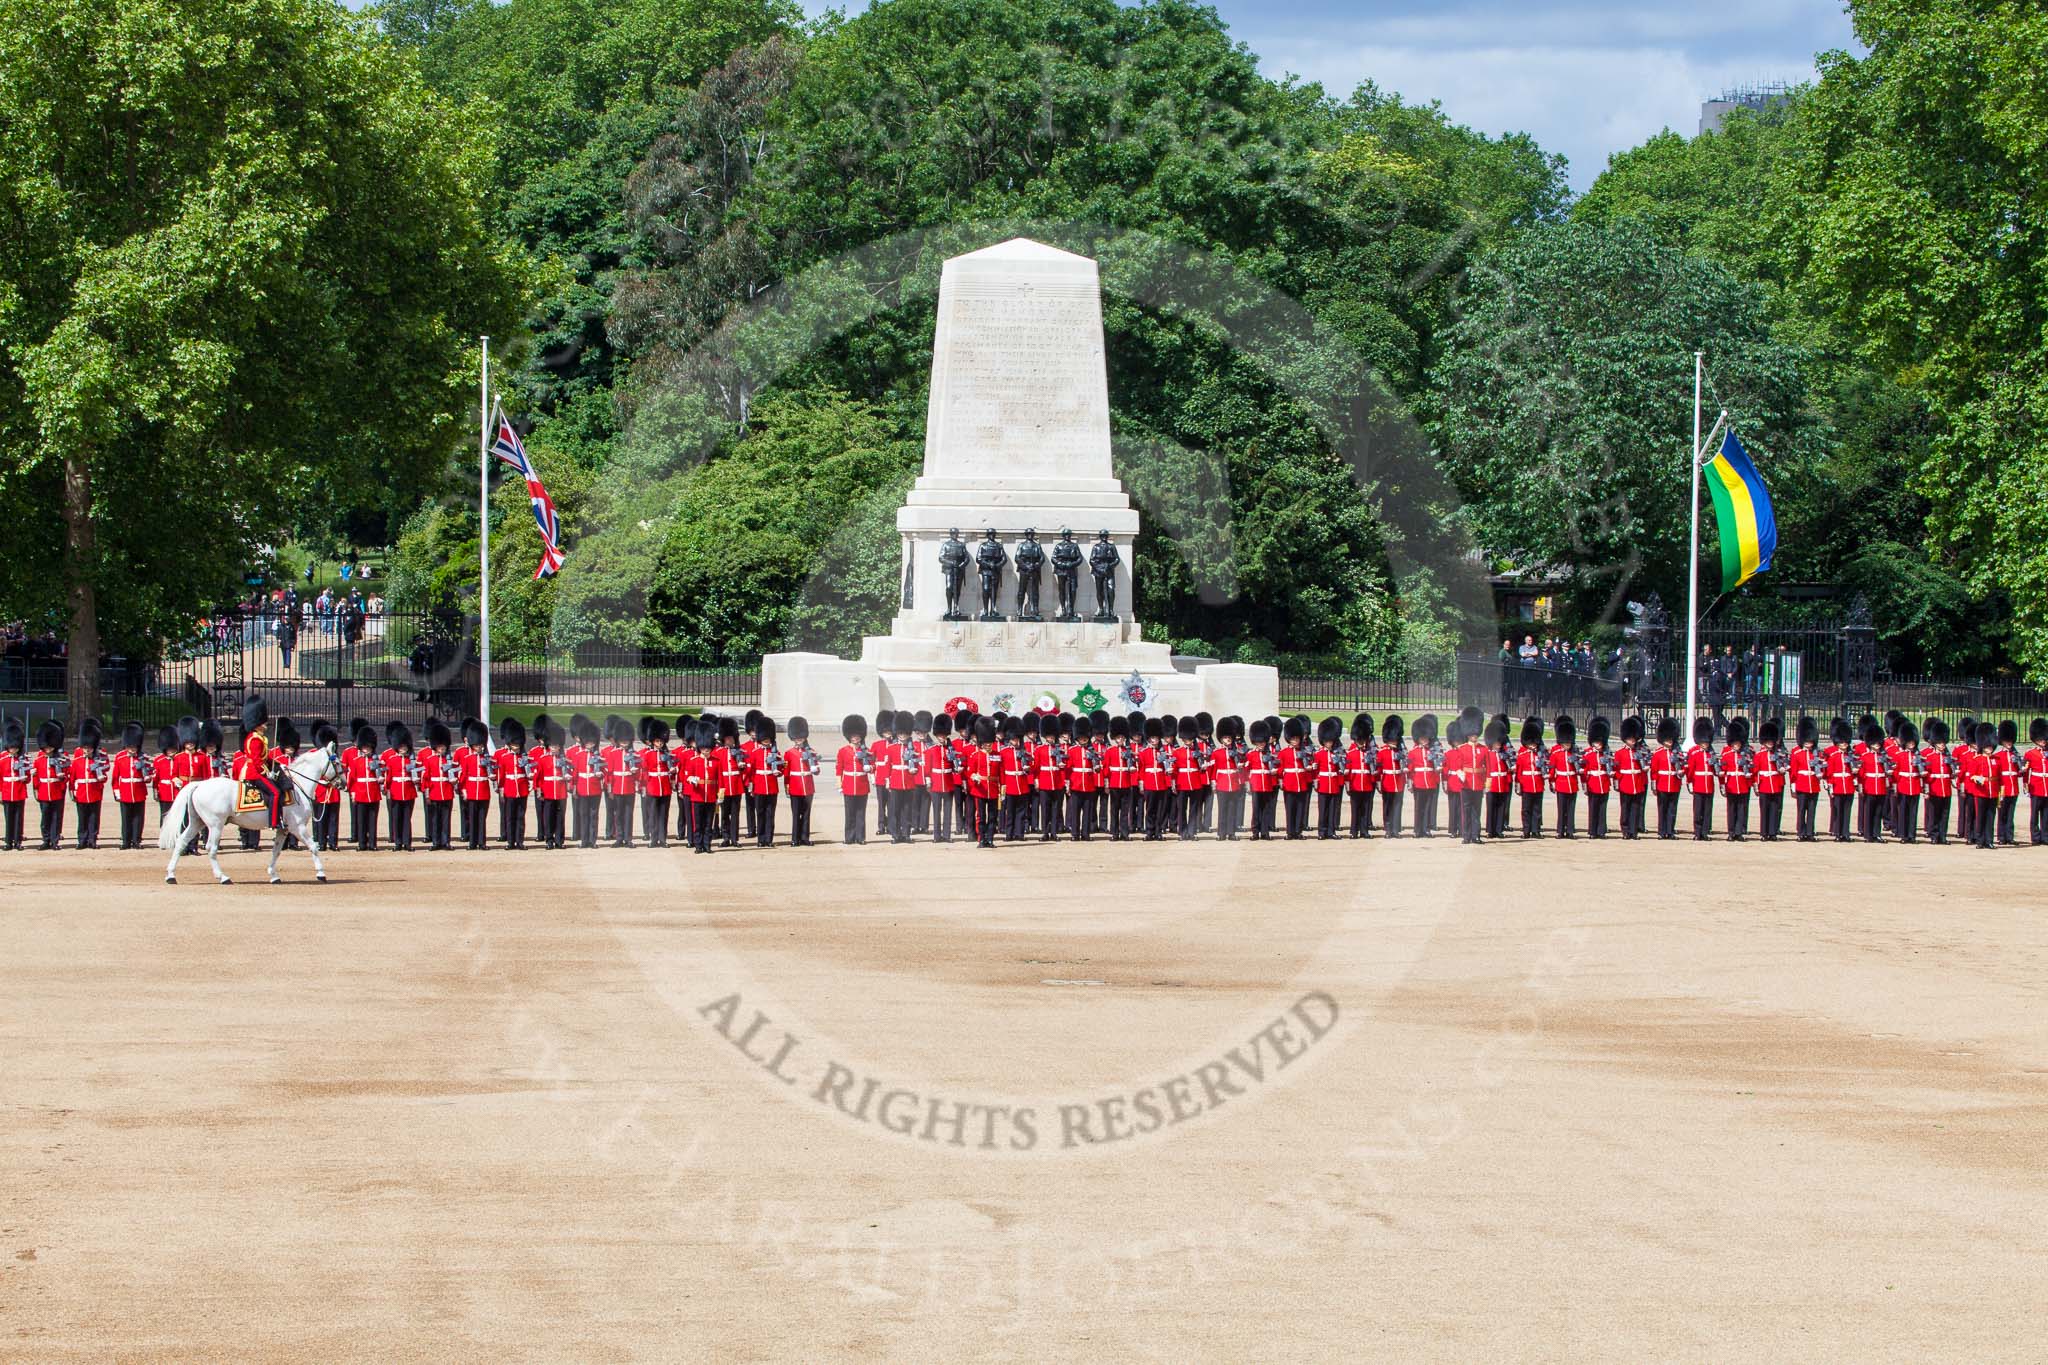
(508, 449)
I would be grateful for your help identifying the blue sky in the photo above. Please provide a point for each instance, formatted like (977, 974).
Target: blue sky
(1586, 78)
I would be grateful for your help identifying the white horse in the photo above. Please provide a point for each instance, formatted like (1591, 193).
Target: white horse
(212, 802)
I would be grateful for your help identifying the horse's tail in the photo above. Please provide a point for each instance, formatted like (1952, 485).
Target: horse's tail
(172, 835)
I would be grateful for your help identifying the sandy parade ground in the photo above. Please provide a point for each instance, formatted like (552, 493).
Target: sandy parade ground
(1137, 1102)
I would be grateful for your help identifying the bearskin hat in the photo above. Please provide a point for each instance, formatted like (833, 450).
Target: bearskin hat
(1293, 729)
(1030, 721)
(187, 730)
(1892, 718)
(2037, 730)
(1259, 733)
(764, 731)
(984, 730)
(854, 728)
(210, 736)
(255, 712)
(1329, 730)
(1188, 730)
(942, 726)
(751, 716)
(1839, 731)
(1067, 724)
(1532, 729)
(89, 733)
(1454, 731)
(1155, 728)
(1937, 730)
(17, 738)
(1099, 718)
(1769, 733)
(645, 729)
(706, 734)
(1667, 730)
(1631, 729)
(922, 722)
(2008, 731)
(1806, 731)
(1119, 728)
(1738, 731)
(1391, 730)
(1703, 729)
(438, 736)
(1909, 733)
(1229, 728)
(800, 729)
(728, 730)
(286, 734)
(1987, 734)
(657, 731)
(1205, 725)
(1567, 731)
(131, 736)
(1012, 729)
(1966, 729)
(1471, 720)
(1598, 731)
(1496, 733)
(366, 739)
(885, 724)
(542, 724)
(166, 740)
(1171, 724)
(1425, 728)
(1361, 728)
(324, 736)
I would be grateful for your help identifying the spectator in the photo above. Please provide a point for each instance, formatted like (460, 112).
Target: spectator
(1507, 651)
(287, 632)
(1528, 650)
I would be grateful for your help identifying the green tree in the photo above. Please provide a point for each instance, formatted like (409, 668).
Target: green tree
(1913, 221)
(1563, 405)
(242, 261)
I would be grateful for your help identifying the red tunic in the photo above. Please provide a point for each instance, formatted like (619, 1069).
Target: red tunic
(855, 770)
(1940, 773)
(800, 771)
(1424, 771)
(1016, 769)
(1599, 778)
(1529, 763)
(1564, 771)
(939, 773)
(130, 777)
(1667, 771)
(14, 776)
(1261, 774)
(1767, 770)
(88, 784)
(1393, 771)
(1906, 773)
(2035, 761)
(1631, 778)
(399, 782)
(1048, 775)
(1226, 769)
(657, 775)
(1734, 781)
(1084, 769)
(1804, 770)
(585, 777)
(762, 778)
(439, 774)
(551, 776)
(1151, 767)
(1329, 771)
(1699, 771)
(476, 775)
(1297, 769)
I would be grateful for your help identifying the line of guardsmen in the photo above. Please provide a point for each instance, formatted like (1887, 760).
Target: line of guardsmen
(719, 780)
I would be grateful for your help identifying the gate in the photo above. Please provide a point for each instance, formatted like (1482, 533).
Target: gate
(389, 666)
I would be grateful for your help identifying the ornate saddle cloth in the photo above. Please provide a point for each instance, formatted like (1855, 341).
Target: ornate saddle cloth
(249, 796)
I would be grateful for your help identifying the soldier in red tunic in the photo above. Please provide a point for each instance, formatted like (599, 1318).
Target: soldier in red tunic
(1531, 770)
(128, 780)
(1564, 776)
(1227, 776)
(401, 784)
(1937, 779)
(365, 788)
(1964, 745)
(1873, 776)
(732, 781)
(1806, 775)
(1736, 765)
(474, 782)
(1667, 777)
(2035, 762)
(1500, 776)
(1632, 776)
(1083, 778)
(1391, 759)
(1909, 776)
(1980, 786)
(764, 783)
(14, 784)
(1596, 774)
(2005, 765)
(800, 768)
(440, 778)
(1699, 777)
(944, 768)
(656, 779)
(86, 776)
(1768, 780)
(1359, 774)
(327, 796)
(552, 781)
(1838, 771)
(855, 767)
(883, 751)
(1327, 770)
(1425, 774)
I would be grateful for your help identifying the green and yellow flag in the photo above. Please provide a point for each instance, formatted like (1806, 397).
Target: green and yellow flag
(1742, 510)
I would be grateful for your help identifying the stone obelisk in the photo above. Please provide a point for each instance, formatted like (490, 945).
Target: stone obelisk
(1017, 441)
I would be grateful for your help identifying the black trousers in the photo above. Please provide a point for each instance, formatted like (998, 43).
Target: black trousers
(1496, 814)
(2007, 806)
(800, 819)
(1465, 815)
(1770, 815)
(1806, 815)
(1296, 812)
(987, 814)
(1329, 814)
(1667, 815)
(764, 818)
(1567, 815)
(1966, 815)
(462, 814)
(327, 826)
(1230, 813)
(1632, 814)
(437, 823)
(53, 822)
(1596, 815)
(1017, 812)
(10, 822)
(749, 804)
(1425, 813)
(131, 823)
(921, 806)
(856, 830)
(362, 825)
(900, 817)
(1052, 808)
(1937, 818)
(729, 821)
(945, 806)
(476, 818)
(1532, 815)
(1263, 807)
(1908, 826)
(547, 820)
(2037, 820)
(586, 820)
(1841, 814)
(1870, 819)
(399, 816)
(656, 822)
(1080, 816)
(88, 824)
(1738, 817)
(1361, 814)
(883, 799)
(704, 818)
(1390, 813)
(1702, 815)
(1984, 820)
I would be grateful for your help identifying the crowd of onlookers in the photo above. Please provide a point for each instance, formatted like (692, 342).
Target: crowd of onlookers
(1556, 653)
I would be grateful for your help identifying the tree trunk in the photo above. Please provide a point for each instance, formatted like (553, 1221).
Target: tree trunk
(82, 681)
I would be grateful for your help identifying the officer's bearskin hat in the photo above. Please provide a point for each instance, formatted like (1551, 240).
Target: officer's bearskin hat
(922, 722)
(984, 730)
(1738, 731)
(1425, 728)
(1259, 733)
(728, 729)
(1667, 730)
(764, 731)
(1937, 730)
(1391, 730)
(286, 734)
(1292, 729)
(438, 736)
(1205, 725)
(1567, 731)
(1598, 731)
(1471, 720)
(1361, 728)
(255, 712)
(1188, 730)
(1119, 728)
(166, 740)
(1532, 729)
(131, 736)
(654, 730)
(209, 734)
(1769, 733)
(1909, 733)
(1703, 729)
(1155, 728)
(706, 732)
(800, 729)
(1631, 729)
(324, 736)
(1496, 733)
(2037, 730)
(1329, 730)
(942, 726)
(2008, 731)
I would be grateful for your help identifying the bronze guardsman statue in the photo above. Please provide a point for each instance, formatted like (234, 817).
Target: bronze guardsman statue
(1030, 567)
(1102, 562)
(1066, 574)
(989, 559)
(953, 570)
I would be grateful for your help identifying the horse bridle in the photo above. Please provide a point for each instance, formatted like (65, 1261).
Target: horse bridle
(328, 779)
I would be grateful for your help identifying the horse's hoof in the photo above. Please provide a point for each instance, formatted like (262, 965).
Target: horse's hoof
(227, 881)
(275, 880)
(170, 881)
(319, 876)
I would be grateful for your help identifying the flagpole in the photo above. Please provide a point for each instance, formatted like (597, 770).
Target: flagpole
(1692, 561)
(483, 509)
